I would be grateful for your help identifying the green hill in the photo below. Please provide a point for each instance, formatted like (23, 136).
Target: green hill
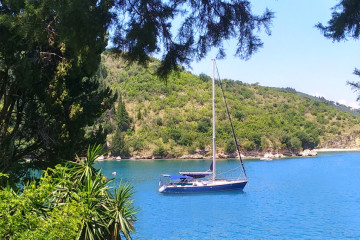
(172, 117)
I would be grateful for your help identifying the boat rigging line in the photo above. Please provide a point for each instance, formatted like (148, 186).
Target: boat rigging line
(230, 120)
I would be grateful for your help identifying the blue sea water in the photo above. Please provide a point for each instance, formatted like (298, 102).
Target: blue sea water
(295, 198)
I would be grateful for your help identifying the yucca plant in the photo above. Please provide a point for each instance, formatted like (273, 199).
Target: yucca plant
(95, 194)
(83, 168)
(108, 216)
(122, 212)
(68, 202)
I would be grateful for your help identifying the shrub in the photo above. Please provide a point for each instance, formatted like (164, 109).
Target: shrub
(204, 124)
(158, 121)
(295, 144)
(201, 144)
(264, 143)
(249, 146)
(239, 115)
(256, 139)
(192, 149)
(137, 143)
(186, 139)
(205, 78)
(230, 146)
(72, 201)
(174, 134)
(160, 151)
(308, 140)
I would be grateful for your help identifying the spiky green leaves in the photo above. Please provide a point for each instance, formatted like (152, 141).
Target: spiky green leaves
(69, 202)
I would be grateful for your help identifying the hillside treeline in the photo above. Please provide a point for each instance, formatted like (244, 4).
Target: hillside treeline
(173, 117)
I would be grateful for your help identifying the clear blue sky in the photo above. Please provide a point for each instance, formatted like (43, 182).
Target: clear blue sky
(296, 55)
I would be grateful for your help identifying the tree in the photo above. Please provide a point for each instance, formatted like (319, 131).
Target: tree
(205, 78)
(255, 137)
(160, 151)
(295, 144)
(230, 146)
(308, 140)
(345, 23)
(239, 115)
(204, 124)
(147, 28)
(49, 54)
(118, 146)
(122, 116)
(174, 134)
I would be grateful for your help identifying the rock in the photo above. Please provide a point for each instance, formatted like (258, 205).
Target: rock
(269, 155)
(234, 155)
(197, 156)
(192, 156)
(253, 154)
(222, 155)
(308, 152)
(288, 154)
(313, 153)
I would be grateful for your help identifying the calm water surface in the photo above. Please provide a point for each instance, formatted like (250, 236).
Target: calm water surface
(298, 198)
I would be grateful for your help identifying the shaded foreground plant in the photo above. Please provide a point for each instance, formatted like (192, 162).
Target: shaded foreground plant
(122, 212)
(69, 202)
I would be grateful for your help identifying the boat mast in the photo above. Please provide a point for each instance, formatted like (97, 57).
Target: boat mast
(213, 120)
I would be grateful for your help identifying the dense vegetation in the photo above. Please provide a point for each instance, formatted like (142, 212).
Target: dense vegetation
(51, 97)
(72, 201)
(50, 51)
(172, 118)
(49, 92)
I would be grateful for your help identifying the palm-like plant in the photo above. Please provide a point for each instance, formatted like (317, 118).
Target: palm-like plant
(80, 193)
(94, 193)
(83, 169)
(107, 215)
(122, 212)
(62, 182)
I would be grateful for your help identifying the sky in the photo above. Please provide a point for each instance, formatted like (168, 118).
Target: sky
(296, 54)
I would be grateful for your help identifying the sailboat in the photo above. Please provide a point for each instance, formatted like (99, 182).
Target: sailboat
(206, 181)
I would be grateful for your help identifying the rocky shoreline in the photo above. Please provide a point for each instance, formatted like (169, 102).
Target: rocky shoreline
(338, 150)
(246, 155)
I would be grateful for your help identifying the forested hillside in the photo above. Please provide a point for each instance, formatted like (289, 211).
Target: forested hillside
(173, 117)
